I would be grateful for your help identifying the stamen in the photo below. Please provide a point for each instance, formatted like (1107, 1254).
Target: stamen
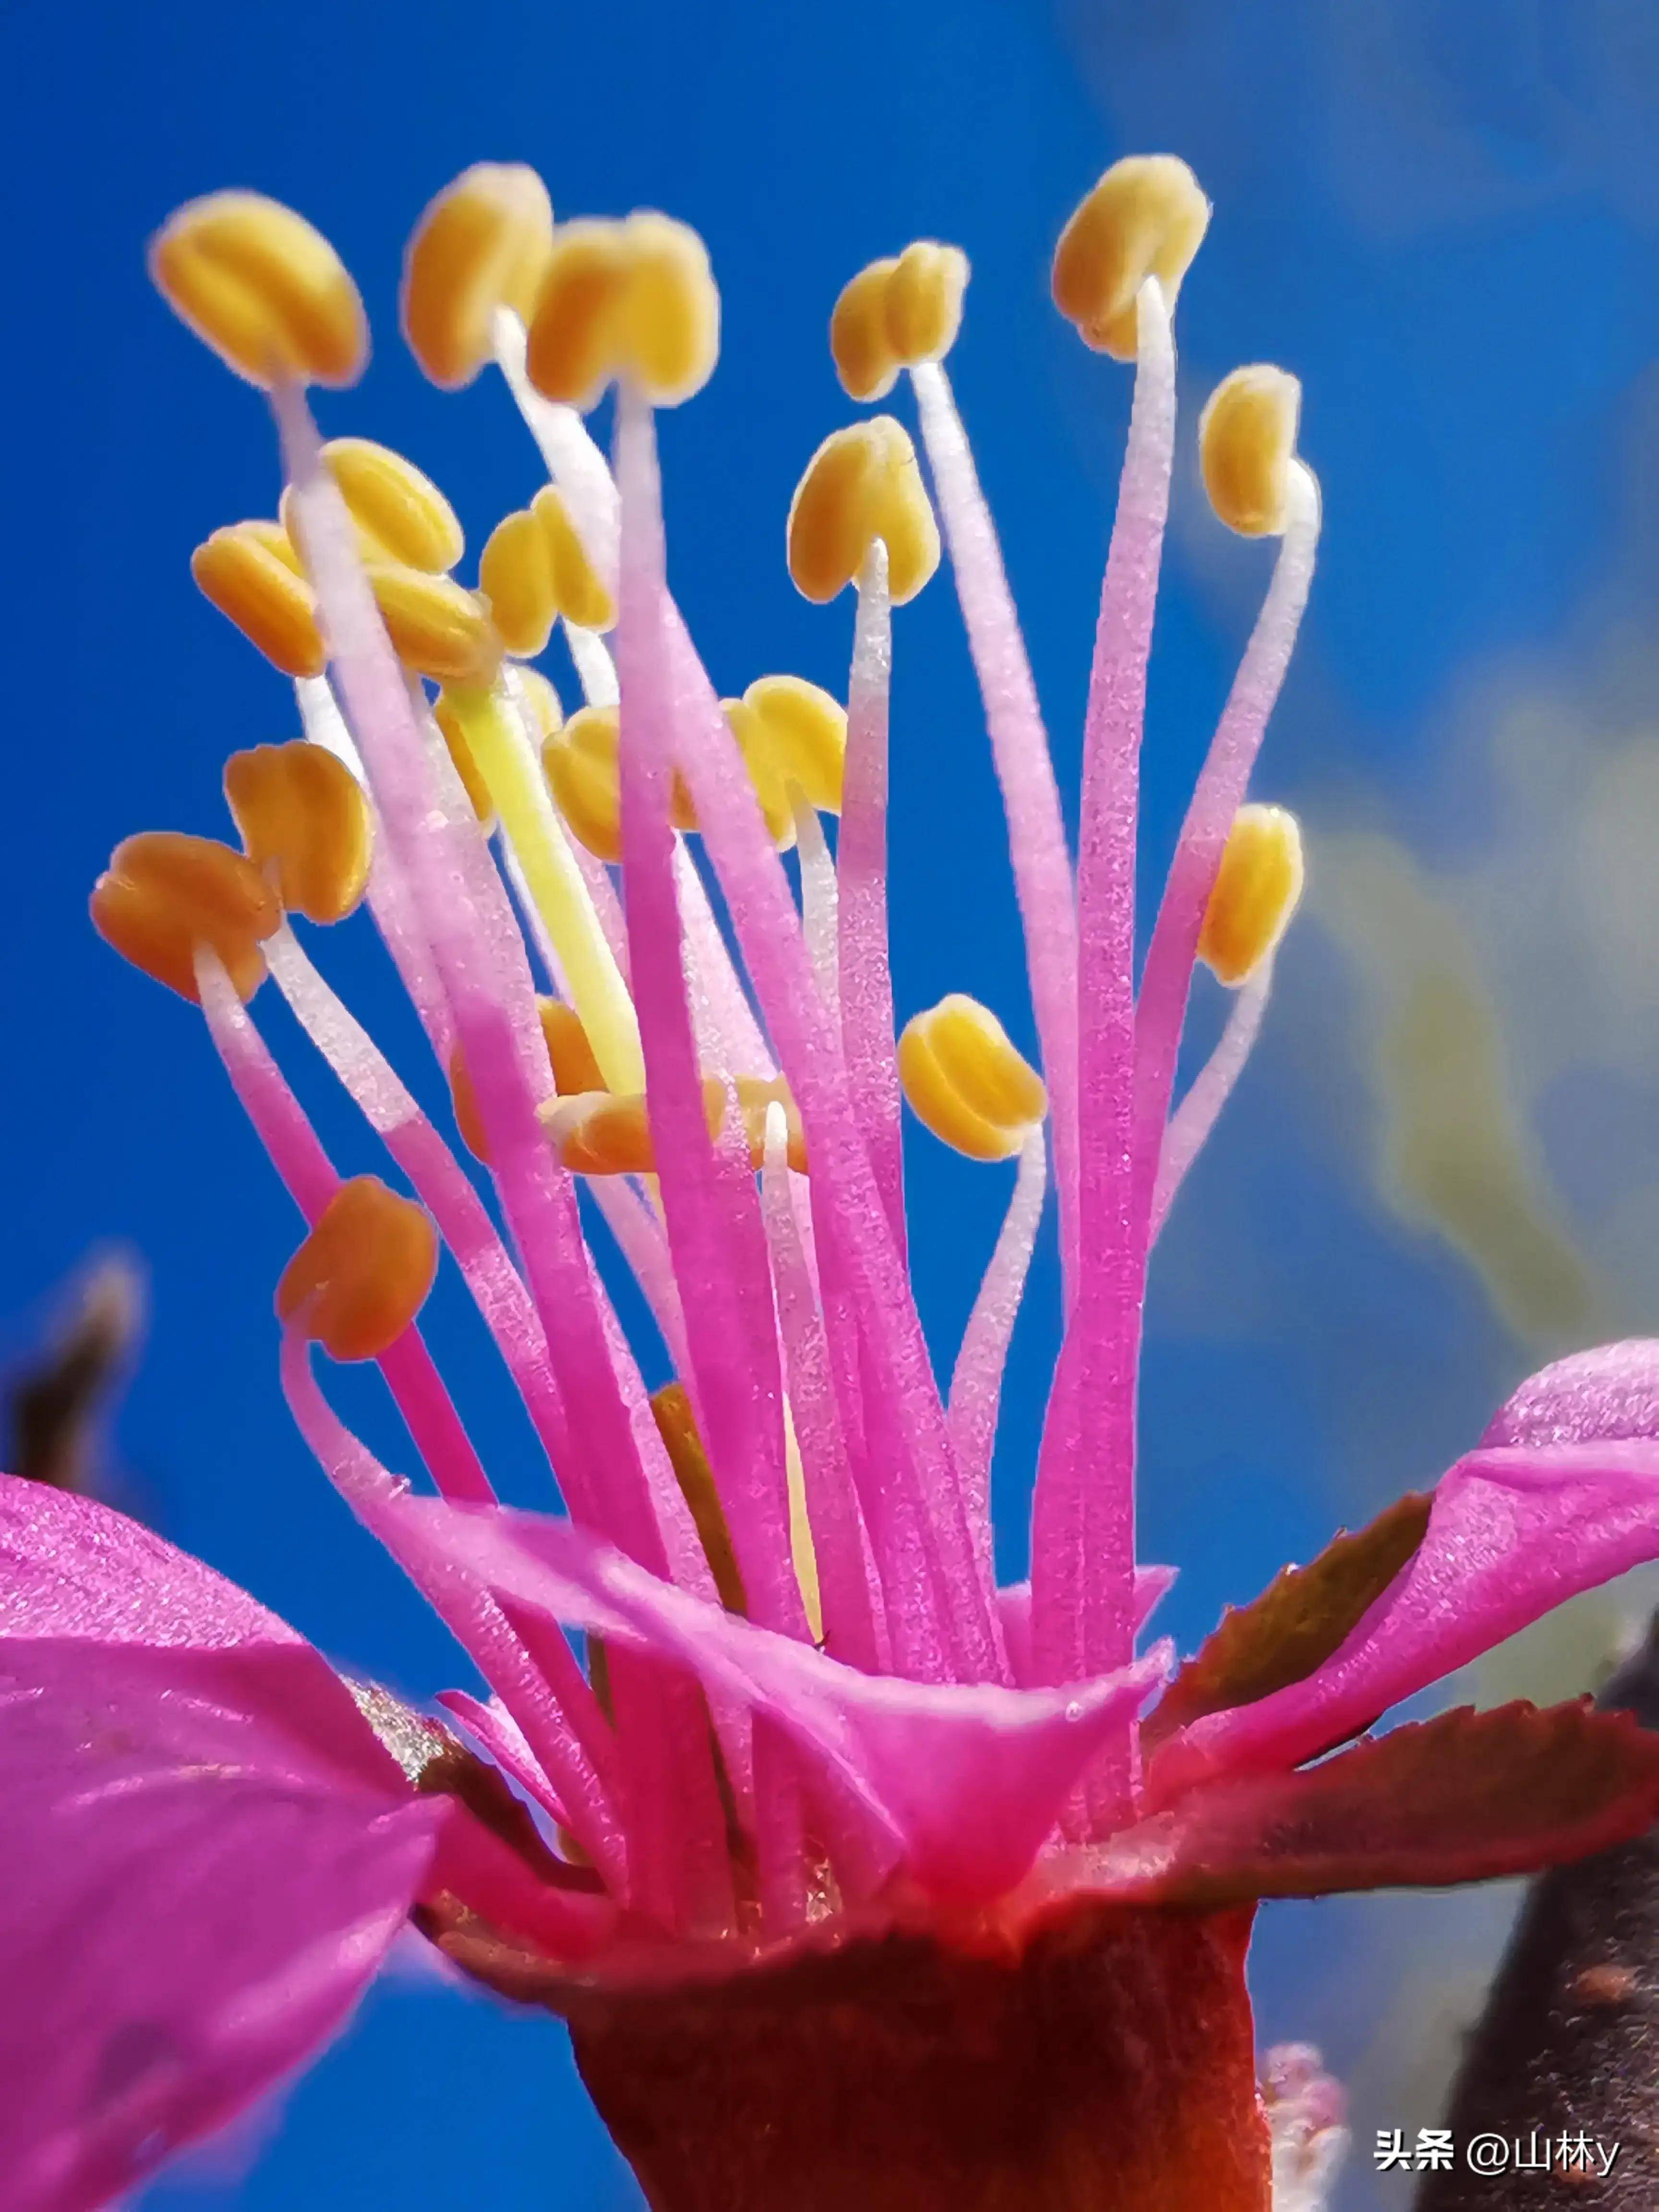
(820, 903)
(1146, 217)
(633, 299)
(453, 728)
(303, 817)
(363, 1271)
(1165, 979)
(966, 1082)
(400, 513)
(1019, 749)
(977, 1378)
(436, 628)
(895, 313)
(483, 244)
(864, 982)
(581, 763)
(848, 1593)
(597, 1133)
(862, 483)
(164, 894)
(265, 289)
(806, 730)
(1196, 1115)
(569, 1055)
(672, 1407)
(534, 570)
(1257, 889)
(251, 574)
(308, 1175)
(1246, 445)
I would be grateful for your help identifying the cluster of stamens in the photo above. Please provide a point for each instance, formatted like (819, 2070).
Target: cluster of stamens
(592, 303)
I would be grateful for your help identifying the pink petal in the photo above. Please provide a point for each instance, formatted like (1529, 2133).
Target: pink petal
(1610, 1395)
(169, 1751)
(969, 1778)
(1512, 1533)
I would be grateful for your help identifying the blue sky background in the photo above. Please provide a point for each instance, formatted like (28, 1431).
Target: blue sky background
(1442, 219)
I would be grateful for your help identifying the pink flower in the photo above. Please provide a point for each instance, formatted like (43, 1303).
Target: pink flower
(812, 1747)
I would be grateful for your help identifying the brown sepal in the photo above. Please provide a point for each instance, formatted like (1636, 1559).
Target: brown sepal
(1468, 1797)
(1292, 1628)
(439, 1764)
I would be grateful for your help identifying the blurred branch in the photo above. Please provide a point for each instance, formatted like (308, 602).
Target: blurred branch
(55, 1397)
(1565, 2043)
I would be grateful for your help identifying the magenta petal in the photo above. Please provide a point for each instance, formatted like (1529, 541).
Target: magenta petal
(1609, 1394)
(1512, 1532)
(967, 1777)
(491, 1725)
(169, 1751)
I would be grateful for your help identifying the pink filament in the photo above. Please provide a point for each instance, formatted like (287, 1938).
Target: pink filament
(435, 836)
(904, 1422)
(473, 1616)
(308, 1175)
(1083, 1537)
(976, 1379)
(1196, 1115)
(849, 1600)
(734, 1370)
(1221, 785)
(1019, 746)
(865, 979)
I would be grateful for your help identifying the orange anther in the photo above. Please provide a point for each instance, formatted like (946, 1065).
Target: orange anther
(1257, 889)
(453, 727)
(250, 573)
(633, 299)
(363, 1273)
(807, 731)
(580, 762)
(481, 244)
(164, 893)
(515, 574)
(436, 628)
(569, 1055)
(1247, 447)
(401, 513)
(265, 289)
(862, 483)
(1146, 217)
(595, 1133)
(578, 591)
(895, 313)
(303, 815)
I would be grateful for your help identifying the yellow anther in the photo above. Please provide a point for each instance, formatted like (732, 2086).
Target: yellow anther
(600, 1135)
(676, 1424)
(577, 592)
(305, 822)
(862, 483)
(164, 894)
(895, 313)
(569, 1055)
(400, 512)
(583, 774)
(1146, 217)
(533, 570)
(966, 1082)
(436, 628)
(807, 731)
(633, 299)
(263, 288)
(1256, 891)
(766, 771)
(451, 726)
(1246, 444)
(363, 1273)
(250, 573)
(515, 574)
(481, 244)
